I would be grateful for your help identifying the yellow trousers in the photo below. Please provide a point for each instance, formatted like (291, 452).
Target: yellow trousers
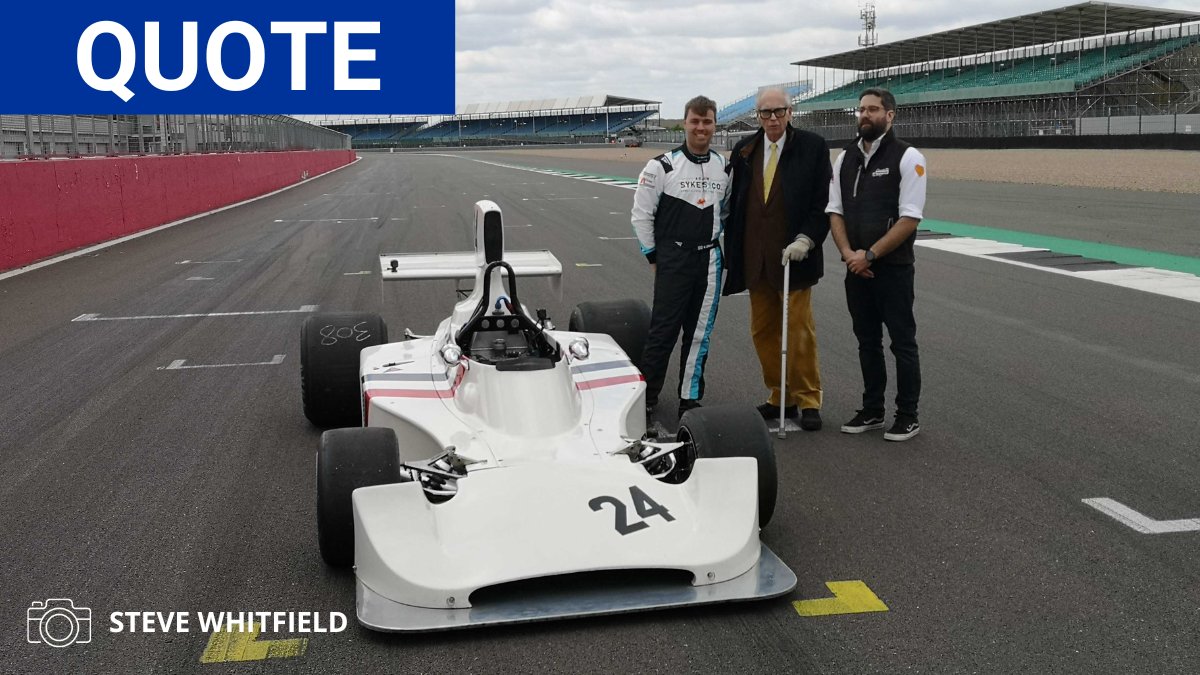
(766, 330)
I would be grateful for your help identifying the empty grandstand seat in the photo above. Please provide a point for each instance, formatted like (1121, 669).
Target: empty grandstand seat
(1078, 68)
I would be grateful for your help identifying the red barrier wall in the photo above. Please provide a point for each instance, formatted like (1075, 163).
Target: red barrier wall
(48, 207)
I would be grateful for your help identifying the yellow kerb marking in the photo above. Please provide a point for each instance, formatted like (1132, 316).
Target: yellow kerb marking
(229, 646)
(849, 597)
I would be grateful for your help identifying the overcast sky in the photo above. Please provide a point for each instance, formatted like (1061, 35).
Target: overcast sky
(670, 50)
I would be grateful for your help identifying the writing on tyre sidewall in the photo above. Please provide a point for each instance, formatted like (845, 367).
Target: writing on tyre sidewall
(331, 334)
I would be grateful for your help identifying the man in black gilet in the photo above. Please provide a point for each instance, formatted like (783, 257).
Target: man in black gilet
(876, 200)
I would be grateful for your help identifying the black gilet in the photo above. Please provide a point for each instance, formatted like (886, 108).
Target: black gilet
(871, 197)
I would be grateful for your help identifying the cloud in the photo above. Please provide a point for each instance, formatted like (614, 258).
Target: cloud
(669, 50)
(497, 7)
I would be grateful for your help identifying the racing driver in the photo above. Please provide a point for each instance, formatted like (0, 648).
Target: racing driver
(679, 210)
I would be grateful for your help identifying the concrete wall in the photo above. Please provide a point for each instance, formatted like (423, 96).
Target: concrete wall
(48, 207)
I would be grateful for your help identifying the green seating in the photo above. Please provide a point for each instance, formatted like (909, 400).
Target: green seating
(1049, 73)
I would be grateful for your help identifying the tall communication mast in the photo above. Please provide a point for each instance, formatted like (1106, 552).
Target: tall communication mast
(867, 14)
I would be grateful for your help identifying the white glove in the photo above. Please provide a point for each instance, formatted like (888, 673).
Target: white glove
(797, 250)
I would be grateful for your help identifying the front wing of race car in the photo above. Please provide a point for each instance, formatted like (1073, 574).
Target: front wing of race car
(768, 578)
(418, 563)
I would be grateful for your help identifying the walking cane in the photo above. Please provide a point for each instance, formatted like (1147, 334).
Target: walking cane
(787, 274)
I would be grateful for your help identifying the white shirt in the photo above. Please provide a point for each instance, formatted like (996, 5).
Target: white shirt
(913, 172)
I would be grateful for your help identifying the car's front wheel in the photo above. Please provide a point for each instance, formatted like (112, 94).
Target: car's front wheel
(734, 431)
(348, 459)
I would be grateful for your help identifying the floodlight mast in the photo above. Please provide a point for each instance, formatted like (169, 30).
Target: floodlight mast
(867, 14)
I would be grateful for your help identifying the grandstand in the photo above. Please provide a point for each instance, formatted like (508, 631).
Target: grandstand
(584, 119)
(379, 133)
(1085, 69)
(743, 108)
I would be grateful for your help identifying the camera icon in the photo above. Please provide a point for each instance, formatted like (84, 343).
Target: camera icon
(58, 623)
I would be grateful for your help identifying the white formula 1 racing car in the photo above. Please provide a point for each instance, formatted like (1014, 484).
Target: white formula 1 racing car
(501, 471)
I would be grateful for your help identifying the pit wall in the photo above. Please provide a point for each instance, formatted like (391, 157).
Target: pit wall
(49, 207)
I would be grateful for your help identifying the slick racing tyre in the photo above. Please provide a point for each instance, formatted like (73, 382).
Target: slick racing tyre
(735, 431)
(625, 321)
(348, 459)
(329, 347)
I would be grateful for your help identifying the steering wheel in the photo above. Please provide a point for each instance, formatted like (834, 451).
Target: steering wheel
(481, 320)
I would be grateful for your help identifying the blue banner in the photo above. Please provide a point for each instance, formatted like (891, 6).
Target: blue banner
(363, 56)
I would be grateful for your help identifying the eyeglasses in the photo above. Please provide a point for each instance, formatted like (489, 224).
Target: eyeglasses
(777, 112)
(872, 109)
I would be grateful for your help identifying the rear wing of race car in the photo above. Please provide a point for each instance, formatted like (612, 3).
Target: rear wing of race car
(459, 266)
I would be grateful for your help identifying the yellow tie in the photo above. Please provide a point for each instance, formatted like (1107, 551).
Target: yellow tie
(769, 174)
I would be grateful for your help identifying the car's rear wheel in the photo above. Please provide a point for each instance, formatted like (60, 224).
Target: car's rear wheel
(734, 431)
(348, 459)
(329, 347)
(625, 321)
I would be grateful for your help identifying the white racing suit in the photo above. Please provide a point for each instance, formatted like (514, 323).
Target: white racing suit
(679, 211)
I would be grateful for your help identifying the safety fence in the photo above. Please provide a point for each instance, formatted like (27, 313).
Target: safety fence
(48, 136)
(51, 207)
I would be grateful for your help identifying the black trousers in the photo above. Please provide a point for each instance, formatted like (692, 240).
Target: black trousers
(886, 300)
(687, 291)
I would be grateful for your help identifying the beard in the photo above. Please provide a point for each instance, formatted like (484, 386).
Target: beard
(869, 131)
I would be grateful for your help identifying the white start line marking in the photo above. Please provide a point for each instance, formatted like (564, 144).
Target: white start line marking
(326, 220)
(177, 364)
(304, 309)
(1139, 521)
(208, 262)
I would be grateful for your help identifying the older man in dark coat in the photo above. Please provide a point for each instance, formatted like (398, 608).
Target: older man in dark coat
(777, 216)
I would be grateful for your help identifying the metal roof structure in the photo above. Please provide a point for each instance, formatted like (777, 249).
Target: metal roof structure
(569, 105)
(592, 101)
(1085, 19)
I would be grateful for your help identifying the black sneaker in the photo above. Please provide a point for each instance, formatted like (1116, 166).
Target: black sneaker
(863, 421)
(770, 412)
(903, 428)
(810, 419)
(686, 404)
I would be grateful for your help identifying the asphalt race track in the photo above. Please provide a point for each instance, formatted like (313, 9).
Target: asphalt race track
(132, 480)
